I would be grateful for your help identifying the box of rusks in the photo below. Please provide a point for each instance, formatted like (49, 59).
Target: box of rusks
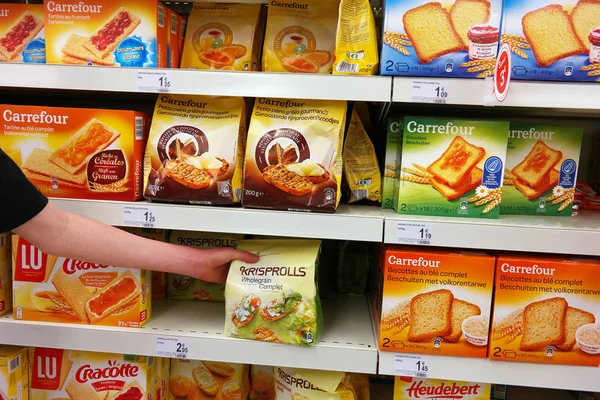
(14, 376)
(56, 289)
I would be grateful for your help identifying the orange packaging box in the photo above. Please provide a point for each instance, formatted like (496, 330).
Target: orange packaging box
(5, 273)
(14, 375)
(22, 33)
(71, 374)
(182, 29)
(407, 388)
(546, 310)
(119, 33)
(173, 43)
(77, 152)
(434, 302)
(56, 289)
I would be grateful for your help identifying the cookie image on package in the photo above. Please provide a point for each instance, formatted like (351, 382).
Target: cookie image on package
(25, 28)
(430, 315)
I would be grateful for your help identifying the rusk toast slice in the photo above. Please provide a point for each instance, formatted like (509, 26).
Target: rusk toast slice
(456, 161)
(431, 32)
(575, 319)
(544, 324)
(461, 310)
(551, 35)
(205, 380)
(585, 17)
(430, 315)
(469, 182)
(540, 160)
(549, 181)
(466, 13)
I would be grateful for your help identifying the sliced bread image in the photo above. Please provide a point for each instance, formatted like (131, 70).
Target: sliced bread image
(461, 310)
(585, 17)
(544, 324)
(551, 35)
(466, 13)
(456, 161)
(431, 32)
(469, 182)
(540, 160)
(430, 315)
(550, 180)
(575, 319)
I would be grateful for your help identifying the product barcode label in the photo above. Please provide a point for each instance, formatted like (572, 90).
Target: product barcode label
(139, 128)
(411, 365)
(411, 233)
(344, 66)
(161, 16)
(174, 24)
(14, 364)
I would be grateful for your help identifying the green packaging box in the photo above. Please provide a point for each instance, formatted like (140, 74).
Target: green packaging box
(393, 151)
(451, 167)
(541, 169)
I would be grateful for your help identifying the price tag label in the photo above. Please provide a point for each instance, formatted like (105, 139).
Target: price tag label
(430, 91)
(139, 216)
(411, 365)
(153, 81)
(172, 347)
(410, 233)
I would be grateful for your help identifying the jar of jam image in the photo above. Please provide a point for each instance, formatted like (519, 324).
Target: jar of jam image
(595, 45)
(483, 42)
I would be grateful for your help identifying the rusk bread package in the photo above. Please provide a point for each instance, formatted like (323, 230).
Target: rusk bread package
(300, 36)
(22, 33)
(47, 288)
(275, 300)
(392, 161)
(294, 155)
(223, 36)
(309, 384)
(458, 38)
(541, 169)
(195, 150)
(207, 380)
(553, 40)
(546, 310)
(14, 373)
(408, 388)
(5, 273)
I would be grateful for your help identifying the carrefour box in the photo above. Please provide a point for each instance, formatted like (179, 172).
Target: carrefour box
(553, 40)
(117, 33)
(451, 167)
(22, 37)
(14, 379)
(393, 152)
(541, 174)
(407, 388)
(447, 39)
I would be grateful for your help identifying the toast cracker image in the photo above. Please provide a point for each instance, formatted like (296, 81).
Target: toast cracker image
(127, 388)
(431, 32)
(575, 319)
(551, 35)
(550, 180)
(466, 13)
(66, 59)
(585, 17)
(45, 178)
(74, 293)
(460, 311)
(99, 299)
(38, 163)
(540, 160)
(469, 182)
(205, 380)
(544, 324)
(9, 54)
(82, 391)
(219, 368)
(102, 53)
(456, 161)
(75, 53)
(430, 315)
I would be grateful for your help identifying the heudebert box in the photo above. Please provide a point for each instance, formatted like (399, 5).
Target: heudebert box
(546, 310)
(56, 289)
(434, 302)
(407, 388)
(446, 39)
(118, 33)
(22, 33)
(14, 379)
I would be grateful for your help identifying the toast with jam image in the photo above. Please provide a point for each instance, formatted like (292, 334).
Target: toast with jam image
(246, 310)
(458, 159)
(539, 162)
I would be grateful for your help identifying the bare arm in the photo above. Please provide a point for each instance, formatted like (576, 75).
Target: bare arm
(69, 235)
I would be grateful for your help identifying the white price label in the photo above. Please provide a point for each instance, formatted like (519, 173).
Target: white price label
(153, 81)
(410, 233)
(139, 216)
(411, 365)
(172, 347)
(430, 91)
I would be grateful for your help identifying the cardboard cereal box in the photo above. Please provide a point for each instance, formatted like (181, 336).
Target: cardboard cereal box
(22, 33)
(407, 388)
(14, 375)
(117, 33)
(206, 380)
(5, 273)
(570, 51)
(77, 152)
(541, 163)
(435, 302)
(71, 374)
(455, 38)
(546, 310)
(56, 289)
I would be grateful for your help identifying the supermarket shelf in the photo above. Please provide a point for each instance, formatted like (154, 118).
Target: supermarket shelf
(360, 223)
(569, 235)
(216, 83)
(565, 95)
(502, 372)
(347, 342)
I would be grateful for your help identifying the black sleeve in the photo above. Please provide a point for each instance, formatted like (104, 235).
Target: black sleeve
(20, 201)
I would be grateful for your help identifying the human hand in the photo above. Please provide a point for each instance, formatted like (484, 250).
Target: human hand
(213, 265)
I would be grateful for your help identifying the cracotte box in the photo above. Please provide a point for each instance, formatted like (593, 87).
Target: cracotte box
(434, 302)
(407, 388)
(70, 374)
(546, 310)
(77, 152)
(14, 376)
(56, 289)
(22, 33)
(116, 33)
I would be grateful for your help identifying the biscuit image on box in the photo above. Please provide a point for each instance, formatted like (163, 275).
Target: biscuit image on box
(246, 310)
(431, 32)
(540, 160)
(461, 310)
(549, 181)
(216, 58)
(219, 368)
(469, 182)
(585, 17)
(544, 324)
(116, 28)
(120, 293)
(81, 391)
(74, 292)
(466, 13)
(430, 315)
(575, 319)
(265, 334)
(38, 166)
(456, 161)
(551, 35)
(26, 28)
(205, 381)
(75, 53)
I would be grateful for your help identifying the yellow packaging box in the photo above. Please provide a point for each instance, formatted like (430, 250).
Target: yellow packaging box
(14, 375)
(56, 289)
(5, 273)
(406, 388)
(22, 33)
(207, 380)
